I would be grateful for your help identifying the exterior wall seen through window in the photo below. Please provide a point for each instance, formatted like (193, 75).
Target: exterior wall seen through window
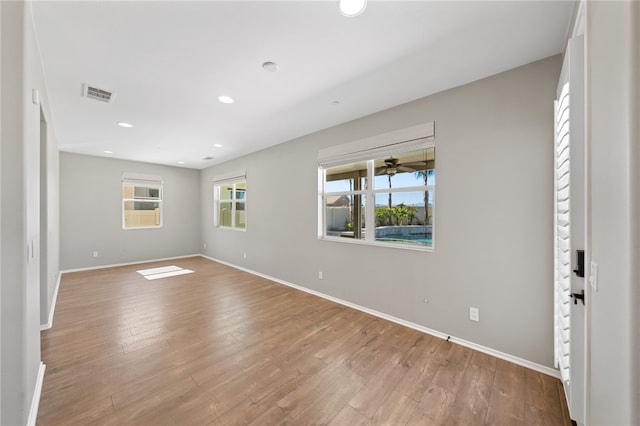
(141, 204)
(230, 200)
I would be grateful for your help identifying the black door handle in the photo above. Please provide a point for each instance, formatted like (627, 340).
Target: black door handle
(578, 296)
(580, 258)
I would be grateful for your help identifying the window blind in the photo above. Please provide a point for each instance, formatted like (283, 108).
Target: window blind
(142, 179)
(230, 177)
(409, 139)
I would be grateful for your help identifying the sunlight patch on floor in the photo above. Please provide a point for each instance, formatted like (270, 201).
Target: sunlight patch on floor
(163, 272)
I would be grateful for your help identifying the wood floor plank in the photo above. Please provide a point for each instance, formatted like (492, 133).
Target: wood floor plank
(472, 401)
(507, 403)
(542, 400)
(434, 408)
(395, 410)
(350, 416)
(331, 400)
(83, 409)
(224, 347)
(317, 387)
(421, 374)
(452, 368)
(273, 416)
(376, 391)
(263, 405)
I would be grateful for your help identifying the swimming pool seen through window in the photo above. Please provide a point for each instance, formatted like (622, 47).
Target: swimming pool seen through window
(387, 197)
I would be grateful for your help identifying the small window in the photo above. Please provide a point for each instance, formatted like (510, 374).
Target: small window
(384, 197)
(230, 199)
(141, 201)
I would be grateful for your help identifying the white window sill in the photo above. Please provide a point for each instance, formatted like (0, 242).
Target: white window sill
(345, 240)
(133, 228)
(230, 228)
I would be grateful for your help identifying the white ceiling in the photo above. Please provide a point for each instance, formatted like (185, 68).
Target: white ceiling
(168, 61)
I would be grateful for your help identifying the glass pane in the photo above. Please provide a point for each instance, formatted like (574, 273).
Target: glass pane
(146, 192)
(241, 220)
(241, 191)
(127, 191)
(401, 217)
(140, 191)
(141, 214)
(351, 177)
(416, 168)
(226, 191)
(224, 214)
(345, 216)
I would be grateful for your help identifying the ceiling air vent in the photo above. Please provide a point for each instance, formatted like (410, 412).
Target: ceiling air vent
(93, 92)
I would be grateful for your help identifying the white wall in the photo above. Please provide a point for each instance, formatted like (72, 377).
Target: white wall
(20, 213)
(49, 220)
(635, 259)
(91, 213)
(613, 137)
(494, 141)
(1, 258)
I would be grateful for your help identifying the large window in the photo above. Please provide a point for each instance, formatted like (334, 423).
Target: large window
(230, 202)
(141, 201)
(386, 197)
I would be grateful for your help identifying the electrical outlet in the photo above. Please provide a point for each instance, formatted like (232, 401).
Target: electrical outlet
(474, 314)
(245, 255)
(205, 245)
(95, 254)
(320, 275)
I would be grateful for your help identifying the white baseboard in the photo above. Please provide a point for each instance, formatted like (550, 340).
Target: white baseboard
(115, 265)
(52, 308)
(35, 401)
(490, 351)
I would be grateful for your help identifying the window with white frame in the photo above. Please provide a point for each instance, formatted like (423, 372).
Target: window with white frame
(230, 201)
(380, 190)
(141, 201)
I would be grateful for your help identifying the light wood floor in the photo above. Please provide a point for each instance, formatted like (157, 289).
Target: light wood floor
(223, 347)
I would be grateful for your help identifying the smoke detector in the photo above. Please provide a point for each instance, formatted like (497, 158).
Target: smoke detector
(93, 92)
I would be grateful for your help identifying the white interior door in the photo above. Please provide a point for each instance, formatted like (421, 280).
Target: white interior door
(570, 228)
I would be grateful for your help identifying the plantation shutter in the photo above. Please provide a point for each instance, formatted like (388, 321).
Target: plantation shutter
(562, 240)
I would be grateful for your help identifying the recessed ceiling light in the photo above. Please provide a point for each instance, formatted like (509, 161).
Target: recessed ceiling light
(180, 162)
(208, 158)
(335, 103)
(351, 8)
(271, 66)
(225, 99)
(106, 151)
(125, 124)
(217, 145)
